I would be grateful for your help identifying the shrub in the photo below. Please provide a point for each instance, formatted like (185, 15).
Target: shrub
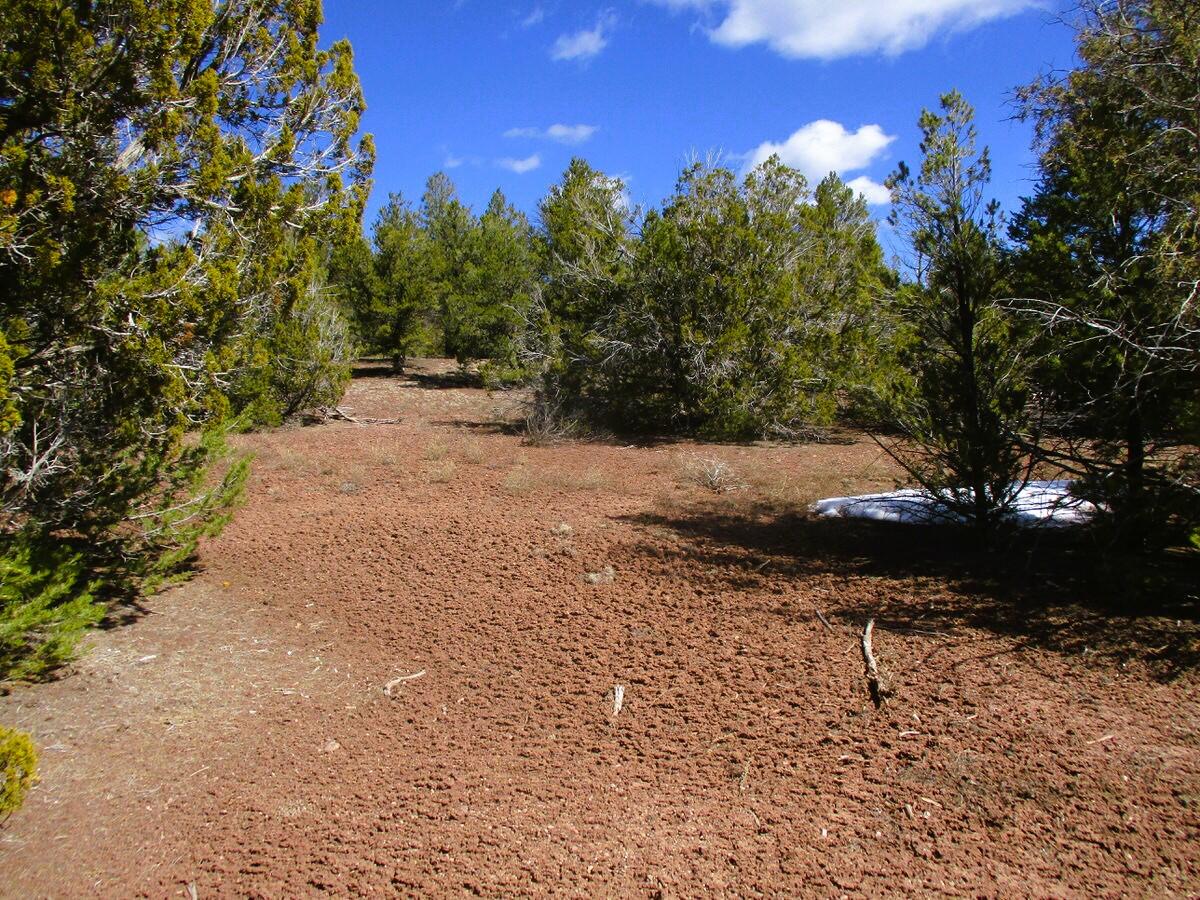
(18, 769)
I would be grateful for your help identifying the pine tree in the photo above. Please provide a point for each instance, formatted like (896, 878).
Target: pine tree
(962, 406)
(497, 285)
(400, 316)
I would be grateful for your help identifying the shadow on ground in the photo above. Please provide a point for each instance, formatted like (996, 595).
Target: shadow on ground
(1054, 590)
(438, 375)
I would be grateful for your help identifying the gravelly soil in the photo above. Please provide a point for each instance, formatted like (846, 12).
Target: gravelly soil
(245, 733)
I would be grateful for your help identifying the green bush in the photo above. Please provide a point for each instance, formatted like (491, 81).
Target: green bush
(47, 602)
(18, 769)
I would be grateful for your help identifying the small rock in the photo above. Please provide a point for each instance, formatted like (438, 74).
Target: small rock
(604, 576)
(330, 746)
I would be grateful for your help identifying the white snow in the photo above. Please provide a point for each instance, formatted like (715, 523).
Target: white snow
(1044, 503)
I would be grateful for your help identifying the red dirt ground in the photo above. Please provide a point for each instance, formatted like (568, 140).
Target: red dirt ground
(235, 736)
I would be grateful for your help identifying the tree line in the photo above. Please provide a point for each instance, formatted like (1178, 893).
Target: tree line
(1061, 337)
(742, 308)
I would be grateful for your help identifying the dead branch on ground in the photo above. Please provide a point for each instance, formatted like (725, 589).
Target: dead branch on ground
(879, 688)
(337, 414)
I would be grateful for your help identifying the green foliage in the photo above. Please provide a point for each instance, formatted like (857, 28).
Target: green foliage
(171, 176)
(48, 599)
(588, 255)
(18, 769)
(443, 281)
(54, 587)
(961, 400)
(1109, 262)
(493, 296)
(740, 310)
(399, 316)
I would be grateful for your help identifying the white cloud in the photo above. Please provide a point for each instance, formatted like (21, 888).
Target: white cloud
(825, 146)
(876, 193)
(821, 29)
(452, 162)
(586, 43)
(570, 134)
(520, 166)
(535, 17)
(563, 134)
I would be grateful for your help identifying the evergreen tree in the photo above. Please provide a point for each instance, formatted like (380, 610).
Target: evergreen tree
(962, 406)
(844, 278)
(399, 316)
(169, 175)
(1108, 262)
(449, 225)
(495, 292)
(727, 314)
(587, 248)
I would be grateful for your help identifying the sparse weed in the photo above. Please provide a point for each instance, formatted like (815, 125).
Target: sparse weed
(473, 452)
(591, 479)
(711, 473)
(351, 479)
(290, 460)
(605, 576)
(519, 480)
(443, 471)
(778, 492)
(547, 421)
(437, 449)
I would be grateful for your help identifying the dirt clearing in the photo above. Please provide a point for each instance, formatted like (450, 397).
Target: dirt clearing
(426, 658)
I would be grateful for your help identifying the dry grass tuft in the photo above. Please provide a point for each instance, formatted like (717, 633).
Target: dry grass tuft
(519, 480)
(591, 479)
(437, 449)
(473, 452)
(605, 576)
(711, 473)
(441, 472)
(778, 492)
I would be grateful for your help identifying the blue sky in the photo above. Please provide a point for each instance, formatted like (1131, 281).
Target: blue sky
(503, 94)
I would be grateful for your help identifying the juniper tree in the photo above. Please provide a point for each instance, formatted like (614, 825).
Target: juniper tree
(1109, 259)
(169, 176)
(738, 309)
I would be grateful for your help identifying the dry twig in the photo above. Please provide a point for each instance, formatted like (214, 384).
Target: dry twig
(879, 688)
(387, 688)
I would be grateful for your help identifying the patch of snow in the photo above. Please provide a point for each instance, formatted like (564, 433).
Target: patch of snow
(1043, 503)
